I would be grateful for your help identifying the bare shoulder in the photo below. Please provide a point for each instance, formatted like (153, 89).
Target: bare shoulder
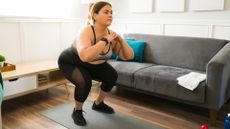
(84, 33)
(85, 30)
(84, 37)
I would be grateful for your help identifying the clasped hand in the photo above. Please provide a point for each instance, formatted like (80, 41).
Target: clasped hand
(113, 37)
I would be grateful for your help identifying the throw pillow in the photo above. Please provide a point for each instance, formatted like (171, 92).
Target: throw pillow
(114, 56)
(138, 49)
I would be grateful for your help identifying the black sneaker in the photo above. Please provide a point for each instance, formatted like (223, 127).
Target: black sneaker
(102, 107)
(78, 117)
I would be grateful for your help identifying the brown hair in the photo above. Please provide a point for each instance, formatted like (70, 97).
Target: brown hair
(95, 8)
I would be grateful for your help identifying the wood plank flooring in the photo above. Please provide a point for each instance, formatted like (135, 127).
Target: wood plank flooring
(23, 112)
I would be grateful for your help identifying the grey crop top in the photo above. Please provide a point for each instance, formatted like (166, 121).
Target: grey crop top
(104, 56)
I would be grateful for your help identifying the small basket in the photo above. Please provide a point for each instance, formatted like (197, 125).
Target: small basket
(7, 67)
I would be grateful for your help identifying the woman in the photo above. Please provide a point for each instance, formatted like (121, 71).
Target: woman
(86, 60)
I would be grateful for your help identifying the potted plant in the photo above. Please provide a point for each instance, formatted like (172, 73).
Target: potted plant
(2, 60)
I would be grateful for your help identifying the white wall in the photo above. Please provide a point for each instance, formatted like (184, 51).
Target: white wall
(74, 9)
(212, 24)
(40, 8)
(24, 40)
(122, 10)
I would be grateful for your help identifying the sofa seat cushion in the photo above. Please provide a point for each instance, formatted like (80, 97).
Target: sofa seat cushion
(126, 70)
(163, 81)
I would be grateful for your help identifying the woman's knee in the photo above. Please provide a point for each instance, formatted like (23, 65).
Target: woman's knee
(108, 84)
(106, 87)
(113, 76)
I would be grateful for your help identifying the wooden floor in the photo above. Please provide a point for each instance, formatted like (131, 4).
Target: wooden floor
(23, 112)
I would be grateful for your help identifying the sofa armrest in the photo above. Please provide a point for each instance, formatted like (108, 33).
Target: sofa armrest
(218, 78)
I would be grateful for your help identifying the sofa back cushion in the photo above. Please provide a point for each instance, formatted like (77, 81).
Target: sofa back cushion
(187, 52)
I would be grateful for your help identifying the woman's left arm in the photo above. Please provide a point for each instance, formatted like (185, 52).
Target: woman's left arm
(122, 49)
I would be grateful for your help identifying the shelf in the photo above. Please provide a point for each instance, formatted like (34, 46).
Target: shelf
(46, 75)
(44, 86)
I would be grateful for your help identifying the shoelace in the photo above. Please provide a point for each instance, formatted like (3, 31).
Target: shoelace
(83, 112)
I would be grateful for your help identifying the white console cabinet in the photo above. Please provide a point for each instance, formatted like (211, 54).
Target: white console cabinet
(32, 77)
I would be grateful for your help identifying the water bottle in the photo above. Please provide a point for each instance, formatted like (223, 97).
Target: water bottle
(227, 121)
(204, 126)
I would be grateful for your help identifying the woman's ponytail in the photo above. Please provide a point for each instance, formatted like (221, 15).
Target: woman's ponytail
(89, 18)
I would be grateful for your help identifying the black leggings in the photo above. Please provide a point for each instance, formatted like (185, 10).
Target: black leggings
(81, 73)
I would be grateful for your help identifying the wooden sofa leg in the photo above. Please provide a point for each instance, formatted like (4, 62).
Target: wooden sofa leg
(213, 116)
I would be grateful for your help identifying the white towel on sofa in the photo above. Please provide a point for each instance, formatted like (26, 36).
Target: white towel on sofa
(191, 80)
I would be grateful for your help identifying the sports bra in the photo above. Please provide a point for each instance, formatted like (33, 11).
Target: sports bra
(104, 56)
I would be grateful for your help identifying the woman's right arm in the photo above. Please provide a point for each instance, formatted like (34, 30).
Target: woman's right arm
(87, 52)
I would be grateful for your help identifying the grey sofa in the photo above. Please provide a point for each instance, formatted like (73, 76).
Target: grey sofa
(168, 57)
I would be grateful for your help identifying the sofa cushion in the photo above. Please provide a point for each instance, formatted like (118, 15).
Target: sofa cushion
(138, 49)
(126, 70)
(162, 80)
(186, 52)
(114, 56)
